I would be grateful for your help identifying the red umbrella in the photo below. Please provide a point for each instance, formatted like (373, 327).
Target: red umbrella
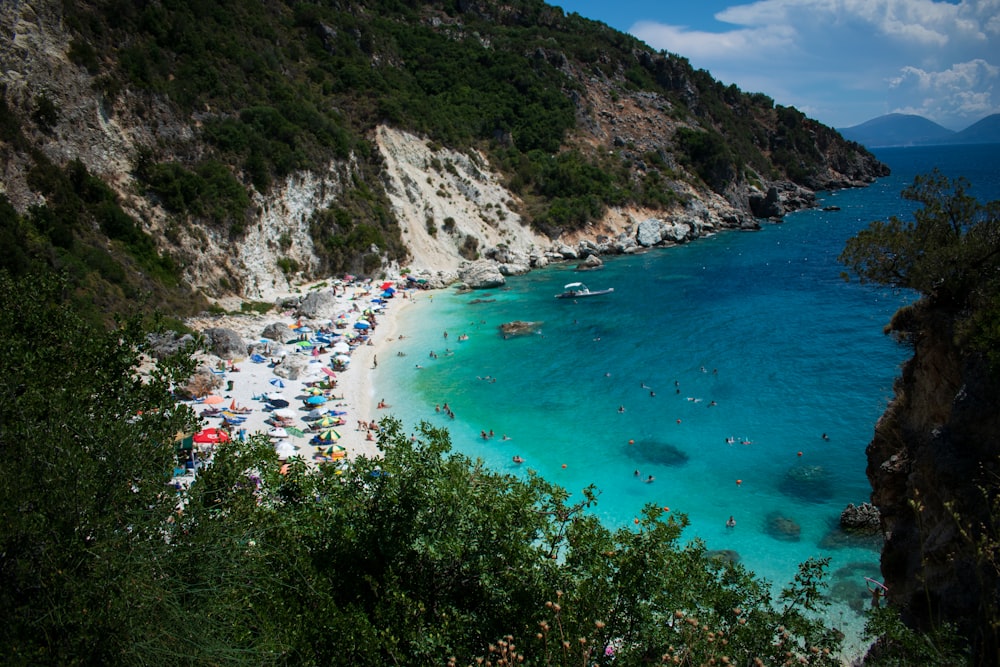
(210, 436)
(213, 399)
(328, 371)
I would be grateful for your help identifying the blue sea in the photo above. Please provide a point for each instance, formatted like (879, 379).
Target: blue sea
(740, 371)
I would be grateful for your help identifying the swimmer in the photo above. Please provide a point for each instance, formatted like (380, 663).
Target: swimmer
(650, 479)
(826, 437)
(621, 408)
(731, 523)
(505, 437)
(517, 459)
(636, 473)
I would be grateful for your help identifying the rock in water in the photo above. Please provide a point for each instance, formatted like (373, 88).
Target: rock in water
(864, 517)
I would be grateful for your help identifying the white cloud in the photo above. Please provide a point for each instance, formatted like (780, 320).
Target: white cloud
(959, 95)
(932, 55)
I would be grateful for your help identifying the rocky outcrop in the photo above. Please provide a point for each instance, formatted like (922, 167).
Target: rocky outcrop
(276, 331)
(933, 466)
(225, 343)
(481, 274)
(318, 303)
(861, 518)
(160, 346)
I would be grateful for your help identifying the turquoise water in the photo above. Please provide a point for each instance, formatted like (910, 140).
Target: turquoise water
(741, 336)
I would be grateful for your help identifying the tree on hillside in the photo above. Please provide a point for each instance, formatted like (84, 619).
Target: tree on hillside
(87, 448)
(949, 253)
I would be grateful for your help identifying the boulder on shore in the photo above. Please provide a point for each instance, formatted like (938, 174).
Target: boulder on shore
(482, 274)
(225, 343)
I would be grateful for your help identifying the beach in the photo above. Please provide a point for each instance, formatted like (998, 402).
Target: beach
(240, 403)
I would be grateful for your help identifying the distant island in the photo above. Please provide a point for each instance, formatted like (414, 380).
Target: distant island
(899, 129)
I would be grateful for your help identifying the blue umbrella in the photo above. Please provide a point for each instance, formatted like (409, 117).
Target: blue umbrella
(361, 325)
(316, 400)
(277, 383)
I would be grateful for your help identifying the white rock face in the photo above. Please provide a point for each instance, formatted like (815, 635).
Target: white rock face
(455, 195)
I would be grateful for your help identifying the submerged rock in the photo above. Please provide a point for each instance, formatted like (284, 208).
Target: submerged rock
(518, 327)
(724, 555)
(807, 482)
(782, 527)
(656, 452)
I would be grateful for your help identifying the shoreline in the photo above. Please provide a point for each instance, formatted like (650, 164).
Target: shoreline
(243, 385)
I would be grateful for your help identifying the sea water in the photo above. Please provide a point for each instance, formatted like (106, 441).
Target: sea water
(740, 371)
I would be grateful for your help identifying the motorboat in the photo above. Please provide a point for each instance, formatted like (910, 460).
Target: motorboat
(579, 290)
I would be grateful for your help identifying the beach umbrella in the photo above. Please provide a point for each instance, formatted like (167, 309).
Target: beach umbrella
(316, 400)
(210, 436)
(329, 435)
(329, 371)
(277, 432)
(325, 422)
(286, 413)
(276, 396)
(341, 348)
(314, 414)
(277, 382)
(213, 399)
(361, 325)
(342, 358)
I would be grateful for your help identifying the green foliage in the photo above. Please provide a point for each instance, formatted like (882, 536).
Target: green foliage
(46, 113)
(896, 645)
(88, 447)
(344, 235)
(209, 191)
(709, 155)
(949, 253)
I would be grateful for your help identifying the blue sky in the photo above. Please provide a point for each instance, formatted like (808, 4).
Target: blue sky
(841, 62)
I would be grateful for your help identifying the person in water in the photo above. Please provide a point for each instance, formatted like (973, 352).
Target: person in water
(731, 523)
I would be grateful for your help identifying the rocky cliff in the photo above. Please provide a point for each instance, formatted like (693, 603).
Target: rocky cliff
(933, 465)
(449, 206)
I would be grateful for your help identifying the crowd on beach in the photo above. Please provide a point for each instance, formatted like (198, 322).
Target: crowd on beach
(300, 390)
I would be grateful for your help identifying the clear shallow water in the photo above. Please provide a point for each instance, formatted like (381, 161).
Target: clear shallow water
(760, 323)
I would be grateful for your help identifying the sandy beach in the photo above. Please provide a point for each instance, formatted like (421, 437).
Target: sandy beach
(245, 383)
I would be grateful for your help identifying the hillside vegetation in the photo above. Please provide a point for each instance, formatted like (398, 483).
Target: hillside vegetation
(225, 99)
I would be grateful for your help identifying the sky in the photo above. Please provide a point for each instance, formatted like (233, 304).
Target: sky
(841, 62)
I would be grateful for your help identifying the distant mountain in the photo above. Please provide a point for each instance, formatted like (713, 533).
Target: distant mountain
(897, 129)
(986, 131)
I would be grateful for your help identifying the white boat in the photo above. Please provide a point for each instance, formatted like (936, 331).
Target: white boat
(579, 290)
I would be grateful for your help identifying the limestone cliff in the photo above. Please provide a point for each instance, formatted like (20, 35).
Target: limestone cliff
(933, 465)
(447, 205)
